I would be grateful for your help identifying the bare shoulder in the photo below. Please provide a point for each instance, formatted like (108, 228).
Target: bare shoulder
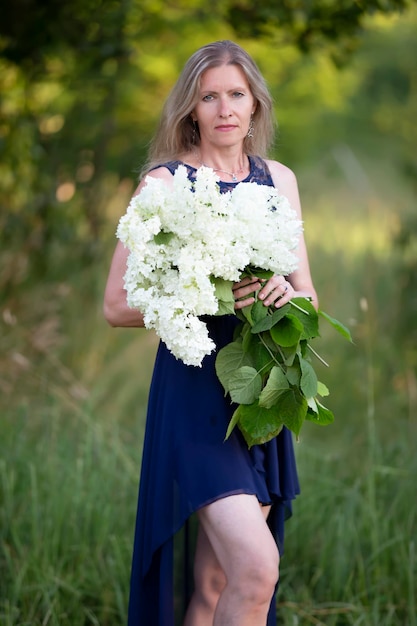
(281, 174)
(285, 182)
(161, 173)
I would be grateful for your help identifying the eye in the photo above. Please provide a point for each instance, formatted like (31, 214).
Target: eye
(207, 98)
(238, 94)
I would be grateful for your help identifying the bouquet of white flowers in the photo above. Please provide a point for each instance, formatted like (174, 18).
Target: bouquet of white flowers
(188, 243)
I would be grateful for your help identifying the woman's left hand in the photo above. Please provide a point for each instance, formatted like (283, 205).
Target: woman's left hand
(277, 291)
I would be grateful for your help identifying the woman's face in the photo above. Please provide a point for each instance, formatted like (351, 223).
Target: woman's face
(224, 107)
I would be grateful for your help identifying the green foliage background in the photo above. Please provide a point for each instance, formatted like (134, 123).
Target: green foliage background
(82, 84)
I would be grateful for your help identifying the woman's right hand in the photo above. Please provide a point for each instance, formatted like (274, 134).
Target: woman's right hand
(244, 289)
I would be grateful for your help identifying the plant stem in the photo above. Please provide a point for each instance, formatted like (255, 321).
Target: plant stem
(298, 307)
(317, 355)
(271, 354)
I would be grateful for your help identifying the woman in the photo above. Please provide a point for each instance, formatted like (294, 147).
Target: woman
(219, 114)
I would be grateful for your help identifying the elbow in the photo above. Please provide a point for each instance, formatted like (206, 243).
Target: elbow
(117, 315)
(109, 315)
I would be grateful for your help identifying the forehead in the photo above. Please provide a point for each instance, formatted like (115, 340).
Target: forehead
(223, 77)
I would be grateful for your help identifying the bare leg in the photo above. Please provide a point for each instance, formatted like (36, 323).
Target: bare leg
(236, 565)
(209, 581)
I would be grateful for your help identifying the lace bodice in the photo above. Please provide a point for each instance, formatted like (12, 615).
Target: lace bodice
(258, 173)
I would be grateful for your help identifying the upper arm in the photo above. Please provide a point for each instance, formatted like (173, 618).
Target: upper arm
(286, 183)
(119, 260)
(116, 310)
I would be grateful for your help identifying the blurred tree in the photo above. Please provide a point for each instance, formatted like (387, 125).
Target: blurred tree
(32, 28)
(310, 23)
(79, 79)
(61, 64)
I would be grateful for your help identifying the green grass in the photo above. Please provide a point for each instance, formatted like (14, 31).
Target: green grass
(68, 491)
(68, 502)
(350, 548)
(73, 399)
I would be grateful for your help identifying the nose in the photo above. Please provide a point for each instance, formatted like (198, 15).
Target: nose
(224, 107)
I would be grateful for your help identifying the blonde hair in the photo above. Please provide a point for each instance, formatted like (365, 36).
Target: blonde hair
(177, 133)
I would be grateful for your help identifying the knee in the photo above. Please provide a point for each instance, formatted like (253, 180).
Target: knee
(263, 578)
(209, 587)
(258, 578)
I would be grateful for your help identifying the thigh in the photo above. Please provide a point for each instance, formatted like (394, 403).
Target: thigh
(208, 572)
(238, 533)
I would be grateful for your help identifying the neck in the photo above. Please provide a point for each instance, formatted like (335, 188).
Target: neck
(233, 167)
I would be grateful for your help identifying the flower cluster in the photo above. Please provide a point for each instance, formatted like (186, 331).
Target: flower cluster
(187, 239)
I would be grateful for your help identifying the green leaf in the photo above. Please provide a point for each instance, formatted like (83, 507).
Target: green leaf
(262, 359)
(245, 385)
(276, 384)
(270, 344)
(308, 317)
(247, 313)
(223, 288)
(234, 420)
(259, 311)
(303, 347)
(308, 382)
(225, 308)
(257, 424)
(337, 325)
(224, 295)
(289, 354)
(228, 360)
(247, 338)
(322, 417)
(163, 238)
(260, 355)
(322, 390)
(240, 316)
(293, 374)
(287, 332)
(293, 409)
(258, 272)
(270, 320)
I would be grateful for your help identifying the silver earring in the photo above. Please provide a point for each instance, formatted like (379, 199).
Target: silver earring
(251, 128)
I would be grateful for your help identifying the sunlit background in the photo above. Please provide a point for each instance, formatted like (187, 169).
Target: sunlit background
(82, 85)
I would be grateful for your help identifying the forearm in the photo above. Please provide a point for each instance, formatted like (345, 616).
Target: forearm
(115, 308)
(118, 314)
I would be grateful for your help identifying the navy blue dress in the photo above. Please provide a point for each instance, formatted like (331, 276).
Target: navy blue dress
(186, 463)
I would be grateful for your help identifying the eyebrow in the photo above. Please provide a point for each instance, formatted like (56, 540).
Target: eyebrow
(236, 88)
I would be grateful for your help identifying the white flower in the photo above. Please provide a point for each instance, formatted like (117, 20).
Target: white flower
(179, 236)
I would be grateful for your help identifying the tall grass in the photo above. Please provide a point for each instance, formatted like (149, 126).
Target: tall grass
(68, 488)
(72, 417)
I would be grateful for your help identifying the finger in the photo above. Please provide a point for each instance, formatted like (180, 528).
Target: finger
(285, 297)
(248, 280)
(278, 292)
(276, 283)
(240, 304)
(243, 289)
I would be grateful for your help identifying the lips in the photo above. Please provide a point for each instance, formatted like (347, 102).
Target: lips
(225, 127)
